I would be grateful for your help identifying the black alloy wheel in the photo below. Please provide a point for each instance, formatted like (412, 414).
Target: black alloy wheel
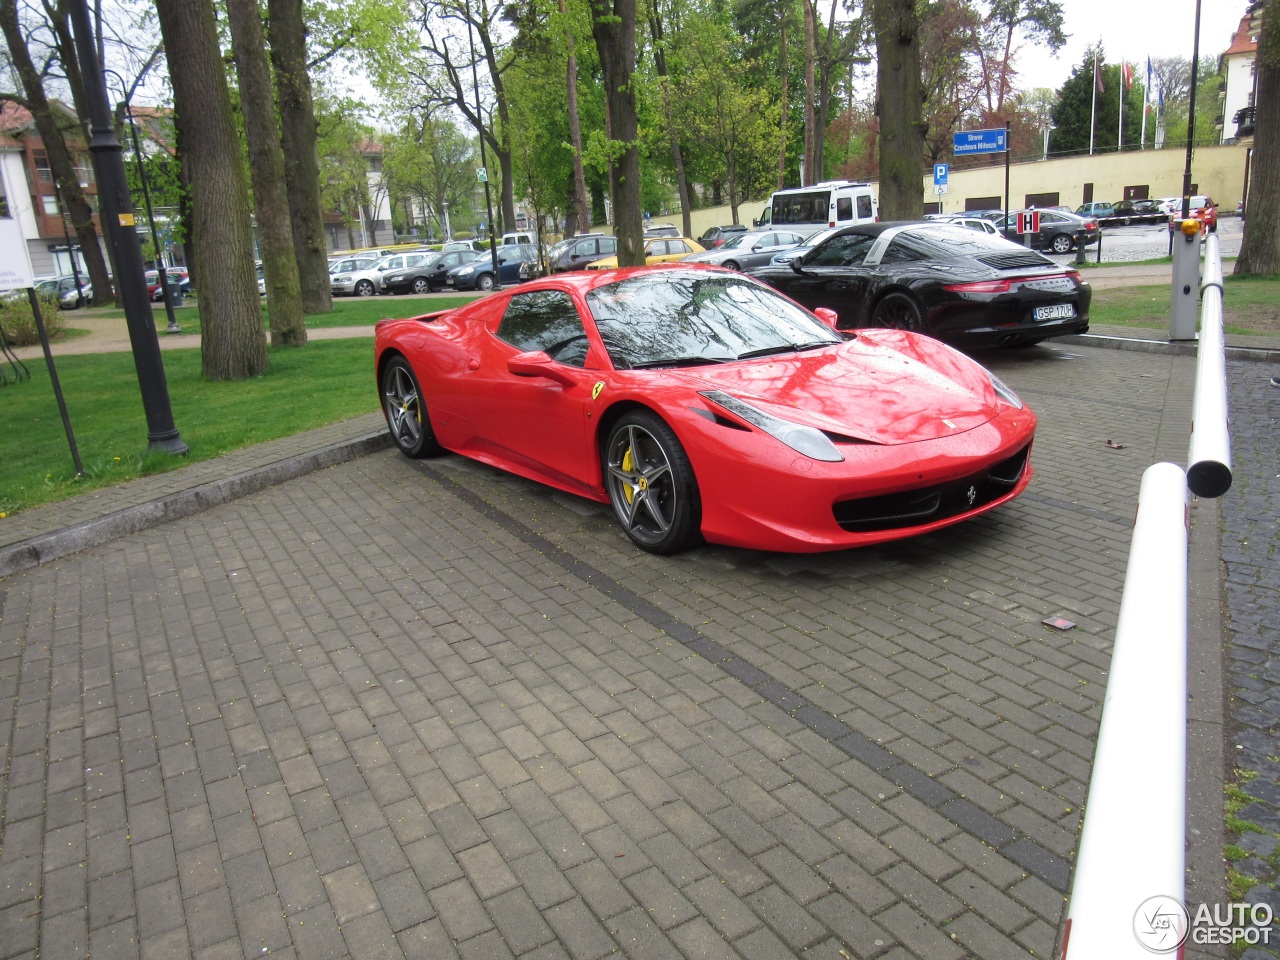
(898, 311)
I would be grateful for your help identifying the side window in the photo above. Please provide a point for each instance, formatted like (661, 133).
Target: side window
(844, 208)
(608, 245)
(849, 250)
(677, 246)
(902, 250)
(545, 320)
(864, 206)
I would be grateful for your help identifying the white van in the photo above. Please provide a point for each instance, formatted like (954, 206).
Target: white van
(510, 238)
(833, 203)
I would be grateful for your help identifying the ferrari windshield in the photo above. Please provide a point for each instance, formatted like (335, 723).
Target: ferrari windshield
(673, 318)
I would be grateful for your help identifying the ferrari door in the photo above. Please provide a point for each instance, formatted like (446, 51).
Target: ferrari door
(528, 391)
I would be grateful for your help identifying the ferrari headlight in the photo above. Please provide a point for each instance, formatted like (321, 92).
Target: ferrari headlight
(1003, 391)
(810, 441)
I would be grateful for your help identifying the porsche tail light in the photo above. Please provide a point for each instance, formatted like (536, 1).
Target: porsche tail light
(981, 286)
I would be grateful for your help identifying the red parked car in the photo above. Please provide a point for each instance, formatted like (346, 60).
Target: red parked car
(703, 405)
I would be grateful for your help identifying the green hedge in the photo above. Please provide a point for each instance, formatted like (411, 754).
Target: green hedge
(19, 325)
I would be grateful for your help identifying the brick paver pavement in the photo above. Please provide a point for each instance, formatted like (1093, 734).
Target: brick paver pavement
(427, 710)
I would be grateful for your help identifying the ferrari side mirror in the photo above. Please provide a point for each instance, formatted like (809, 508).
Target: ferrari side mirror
(537, 363)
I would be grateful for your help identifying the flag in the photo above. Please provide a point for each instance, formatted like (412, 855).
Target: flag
(1126, 72)
(1097, 75)
(1146, 94)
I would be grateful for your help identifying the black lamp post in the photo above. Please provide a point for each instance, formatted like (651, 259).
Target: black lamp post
(118, 223)
(1191, 118)
(146, 199)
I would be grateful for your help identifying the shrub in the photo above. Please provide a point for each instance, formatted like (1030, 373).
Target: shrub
(19, 325)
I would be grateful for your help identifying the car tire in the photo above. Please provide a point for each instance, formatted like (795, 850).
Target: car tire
(1213, 227)
(1061, 243)
(365, 289)
(651, 485)
(405, 410)
(731, 265)
(484, 281)
(899, 312)
(421, 285)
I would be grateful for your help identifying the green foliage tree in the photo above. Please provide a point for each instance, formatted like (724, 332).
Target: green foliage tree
(429, 167)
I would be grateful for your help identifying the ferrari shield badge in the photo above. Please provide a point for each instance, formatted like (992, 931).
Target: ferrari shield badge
(595, 390)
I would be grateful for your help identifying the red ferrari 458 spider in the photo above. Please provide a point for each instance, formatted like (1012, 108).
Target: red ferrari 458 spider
(701, 404)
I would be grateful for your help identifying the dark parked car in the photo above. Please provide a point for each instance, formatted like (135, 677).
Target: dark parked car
(661, 230)
(1139, 211)
(955, 284)
(478, 273)
(574, 253)
(428, 275)
(1057, 230)
(714, 236)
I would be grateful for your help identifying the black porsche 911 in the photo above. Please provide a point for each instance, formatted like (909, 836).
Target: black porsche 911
(955, 284)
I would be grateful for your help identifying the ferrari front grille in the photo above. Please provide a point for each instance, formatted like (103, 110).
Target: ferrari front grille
(913, 508)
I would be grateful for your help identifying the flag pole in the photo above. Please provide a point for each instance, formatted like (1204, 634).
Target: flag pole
(1093, 111)
(1146, 103)
(1120, 134)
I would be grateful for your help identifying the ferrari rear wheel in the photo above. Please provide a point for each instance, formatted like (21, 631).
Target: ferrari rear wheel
(651, 484)
(406, 413)
(899, 311)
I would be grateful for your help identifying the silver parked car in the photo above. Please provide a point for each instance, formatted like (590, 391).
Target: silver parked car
(743, 251)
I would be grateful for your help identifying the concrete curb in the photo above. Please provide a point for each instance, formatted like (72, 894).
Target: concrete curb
(58, 543)
(1165, 347)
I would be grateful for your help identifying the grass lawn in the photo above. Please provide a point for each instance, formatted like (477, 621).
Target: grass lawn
(347, 312)
(1251, 306)
(325, 382)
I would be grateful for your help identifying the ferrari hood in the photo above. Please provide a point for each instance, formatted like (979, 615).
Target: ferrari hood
(859, 390)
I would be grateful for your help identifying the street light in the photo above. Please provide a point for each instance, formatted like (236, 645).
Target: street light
(484, 161)
(146, 199)
(117, 221)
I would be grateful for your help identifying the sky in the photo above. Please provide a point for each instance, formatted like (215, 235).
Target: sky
(1133, 30)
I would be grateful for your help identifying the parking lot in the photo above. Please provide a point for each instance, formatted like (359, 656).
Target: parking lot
(426, 709)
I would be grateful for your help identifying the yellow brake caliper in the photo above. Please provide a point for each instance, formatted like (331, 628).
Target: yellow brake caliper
(628, 489)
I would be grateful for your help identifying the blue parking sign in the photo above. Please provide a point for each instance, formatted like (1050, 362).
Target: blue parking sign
(940, 171)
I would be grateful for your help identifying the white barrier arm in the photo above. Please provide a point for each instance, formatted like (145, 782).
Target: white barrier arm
(1132, 846)
(1209, 459)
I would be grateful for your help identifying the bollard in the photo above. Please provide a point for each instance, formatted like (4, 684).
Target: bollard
(1081, 237)
(1186, 281)
(1209, 458)
(1132, 847)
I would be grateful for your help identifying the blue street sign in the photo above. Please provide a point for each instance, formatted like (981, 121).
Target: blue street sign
(980, 141)
(940, 174)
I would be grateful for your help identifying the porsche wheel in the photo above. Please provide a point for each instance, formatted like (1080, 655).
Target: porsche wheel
(406, 413)
(1061, 244)
(421, 285)
(364, 288)
(899, 311)
(484, 281)
(651, 484)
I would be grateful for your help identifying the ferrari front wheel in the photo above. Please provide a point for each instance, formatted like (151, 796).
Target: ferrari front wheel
(406, 413)
(651, 484)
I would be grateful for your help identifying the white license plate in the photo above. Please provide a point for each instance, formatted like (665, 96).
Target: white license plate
(1061, 311)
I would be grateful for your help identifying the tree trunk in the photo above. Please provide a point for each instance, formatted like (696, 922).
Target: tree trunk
(899, 105)
(1260, 251)
(61, 165)
(677, 154)
(575, 136)
(613, 24)
(288, 35)
(266, 166)
(231, 343)
(810, 93)
(782, 126)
